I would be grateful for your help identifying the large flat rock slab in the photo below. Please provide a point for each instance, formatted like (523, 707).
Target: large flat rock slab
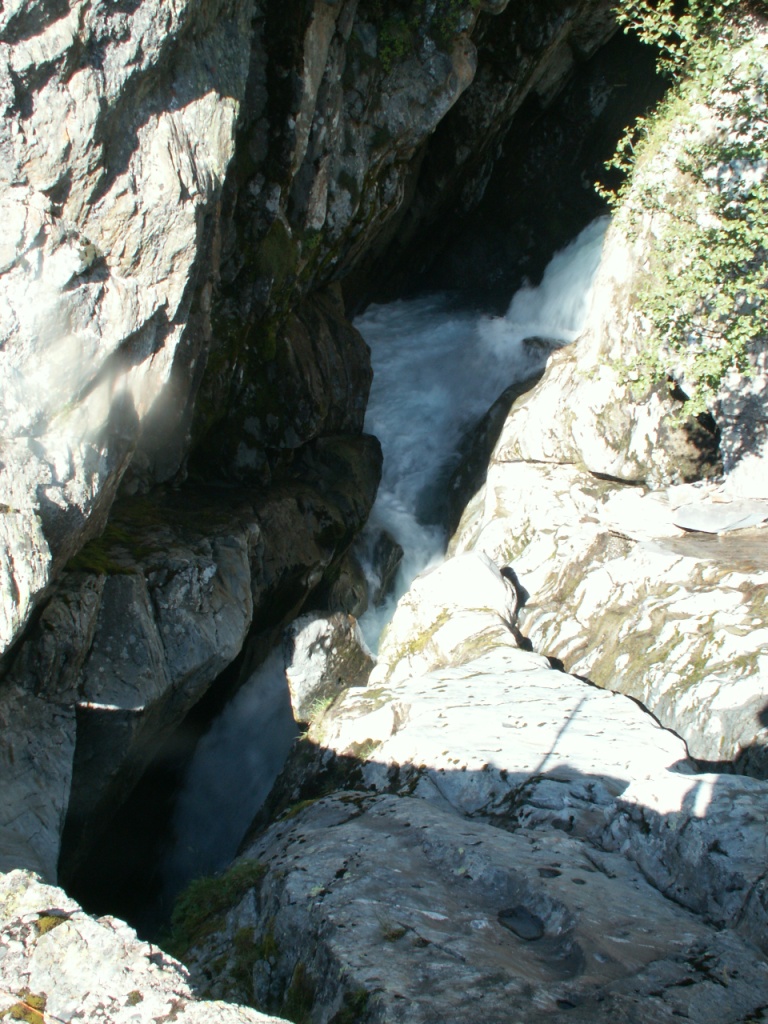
(624, 596)
(413, 913)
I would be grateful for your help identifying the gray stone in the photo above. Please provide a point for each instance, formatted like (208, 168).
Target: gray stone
(516, 843)
(57, 962)
(109, 170)
(323, 656)
(403, 909)
(122, 652)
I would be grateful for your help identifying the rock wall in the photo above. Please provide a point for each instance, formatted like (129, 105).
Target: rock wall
(655, 590)
(144, 622)
(474, 833)
(479, 834)
(118, 130)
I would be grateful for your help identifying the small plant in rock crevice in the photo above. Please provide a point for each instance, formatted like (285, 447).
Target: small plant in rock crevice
(401, 25)
(200, 909)
(30, 1008)
(299, 997)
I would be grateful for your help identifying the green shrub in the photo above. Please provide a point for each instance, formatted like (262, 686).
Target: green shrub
(300, 997)
(200, 909)
(705, 288)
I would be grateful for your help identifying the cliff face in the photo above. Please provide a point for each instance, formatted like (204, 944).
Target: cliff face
(118, 129)
(139, 260)
(484, 833)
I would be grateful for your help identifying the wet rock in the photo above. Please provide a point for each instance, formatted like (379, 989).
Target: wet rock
(348, 592)
(499, 733)
(160, 606)
(381, 555)
(501, 140)
(494, 836)
(313, 381)
(646, 589)
(522, 922)
(474, 454)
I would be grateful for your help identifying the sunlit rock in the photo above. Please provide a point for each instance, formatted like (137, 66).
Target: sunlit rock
(323, 656)
(404, 910)
(507, 842)
(59, 962)
(657, 591)
(111, 173)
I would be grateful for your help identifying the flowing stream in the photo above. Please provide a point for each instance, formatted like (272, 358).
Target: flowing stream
(436, 371)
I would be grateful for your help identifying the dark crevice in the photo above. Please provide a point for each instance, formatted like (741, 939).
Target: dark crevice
(123, 874)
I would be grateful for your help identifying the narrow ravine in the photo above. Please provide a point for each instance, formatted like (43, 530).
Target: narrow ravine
(437, 369)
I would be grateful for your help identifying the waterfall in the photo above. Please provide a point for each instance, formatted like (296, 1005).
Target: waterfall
(436, 372)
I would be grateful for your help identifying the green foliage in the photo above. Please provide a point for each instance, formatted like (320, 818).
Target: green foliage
(277, 255)
(111, 554)
(353, 1009)
(297, 808)
(30, 1008)
(318, 707)
(397, 39)
(247, 953)
(449, 18)
(200, 909)
(401, 25)
(392, 932)
(47, 922)
(677, 36)
(705, 290)
(300, 997)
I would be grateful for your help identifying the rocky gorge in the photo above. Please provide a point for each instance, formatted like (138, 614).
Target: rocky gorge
(544, 797)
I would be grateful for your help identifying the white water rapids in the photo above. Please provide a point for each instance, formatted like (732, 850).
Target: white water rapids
(436, 371)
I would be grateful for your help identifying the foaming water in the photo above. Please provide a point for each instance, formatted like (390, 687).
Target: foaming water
(437, 371)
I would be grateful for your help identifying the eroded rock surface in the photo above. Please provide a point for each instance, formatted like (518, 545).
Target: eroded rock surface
(323, 656)
(511, 841)
(656, 590)
(158, 609)
(115, 147)
(56, 961)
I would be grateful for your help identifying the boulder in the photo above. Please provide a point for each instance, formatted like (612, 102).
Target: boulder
(59, 963)
(143, 624)
(394, 908)
(323, 656)
(381, 556)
